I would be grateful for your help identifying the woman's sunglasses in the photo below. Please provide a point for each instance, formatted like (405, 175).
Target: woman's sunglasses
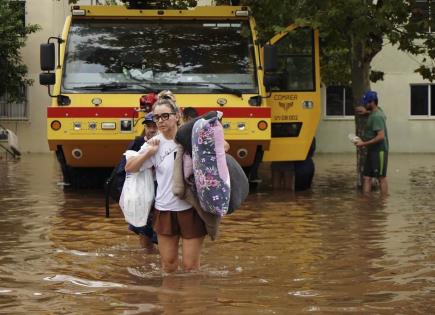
(164, 116)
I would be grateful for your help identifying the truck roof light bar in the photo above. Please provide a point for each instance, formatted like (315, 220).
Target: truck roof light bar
(78, 12)
(242, 13)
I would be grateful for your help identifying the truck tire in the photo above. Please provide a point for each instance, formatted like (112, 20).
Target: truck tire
(82, 177)
(304, 173)
(304, 170)
(252, 171)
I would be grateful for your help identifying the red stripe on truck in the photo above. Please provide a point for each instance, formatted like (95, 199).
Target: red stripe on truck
(83, 112)
(237, 112)
(130, 112)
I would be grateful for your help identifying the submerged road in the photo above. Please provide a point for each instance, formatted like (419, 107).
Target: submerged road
(328, 250)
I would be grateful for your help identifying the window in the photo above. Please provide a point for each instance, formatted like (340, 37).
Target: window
(423, 15)
(339, 101)
(423, 100)
(14, 111)
(197, 57)
(296, 61)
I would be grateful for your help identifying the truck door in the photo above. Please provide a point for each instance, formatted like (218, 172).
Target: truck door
(294, 94)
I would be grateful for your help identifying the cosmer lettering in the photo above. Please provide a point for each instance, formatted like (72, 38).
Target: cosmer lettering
(285, 117)
(291, 97)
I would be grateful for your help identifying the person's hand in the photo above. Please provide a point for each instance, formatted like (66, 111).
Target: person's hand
(361, 110)
(153, 144)
(360, 143)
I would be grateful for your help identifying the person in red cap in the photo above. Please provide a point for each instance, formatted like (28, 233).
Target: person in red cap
(147, 101)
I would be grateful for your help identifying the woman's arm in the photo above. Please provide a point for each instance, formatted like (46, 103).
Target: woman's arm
(135, 162)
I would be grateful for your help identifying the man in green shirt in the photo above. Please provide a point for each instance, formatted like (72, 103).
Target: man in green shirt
(375, 138)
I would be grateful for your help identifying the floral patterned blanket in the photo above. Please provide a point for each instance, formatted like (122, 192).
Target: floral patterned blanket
(210, 169)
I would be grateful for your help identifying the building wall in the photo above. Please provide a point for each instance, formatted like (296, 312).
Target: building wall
(406, 134)
(49, 15)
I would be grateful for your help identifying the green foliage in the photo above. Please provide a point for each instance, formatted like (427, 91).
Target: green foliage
(178, 4)
(13, 35)
(105, 2)
(376, 76)
(352, 32)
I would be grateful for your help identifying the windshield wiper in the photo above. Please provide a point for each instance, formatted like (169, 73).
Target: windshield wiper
(227, 89)
(223, 88)
(114, 86)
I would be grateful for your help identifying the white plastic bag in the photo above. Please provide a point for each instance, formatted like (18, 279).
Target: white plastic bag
(137, 195)
(353, 138)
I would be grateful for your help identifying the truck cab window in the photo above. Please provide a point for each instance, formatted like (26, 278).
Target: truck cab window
(296, 61)
(184, 57)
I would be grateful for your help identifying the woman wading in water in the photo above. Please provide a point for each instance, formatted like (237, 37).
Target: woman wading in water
(174, 219)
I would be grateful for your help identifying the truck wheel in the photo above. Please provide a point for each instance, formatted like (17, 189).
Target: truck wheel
(252, 171)
(304, 170)
(63, 166)
(82, 177)
(88, 177)
(304, 173)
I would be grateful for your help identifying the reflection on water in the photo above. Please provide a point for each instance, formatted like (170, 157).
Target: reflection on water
(329, 250)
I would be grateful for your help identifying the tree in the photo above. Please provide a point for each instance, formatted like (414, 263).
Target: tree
(13, 35)
(352, 33)
(163, 4)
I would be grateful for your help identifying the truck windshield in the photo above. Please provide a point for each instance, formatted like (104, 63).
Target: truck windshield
(183, 56)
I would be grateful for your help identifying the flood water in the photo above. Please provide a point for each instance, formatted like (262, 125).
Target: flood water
(326, 251)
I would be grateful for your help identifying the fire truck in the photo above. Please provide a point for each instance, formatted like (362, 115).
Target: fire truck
(107, 57)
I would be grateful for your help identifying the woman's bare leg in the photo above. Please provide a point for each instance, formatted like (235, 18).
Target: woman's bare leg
(168, 248)
(191, 253)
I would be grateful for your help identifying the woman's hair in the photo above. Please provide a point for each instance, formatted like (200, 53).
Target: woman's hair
(167, 98)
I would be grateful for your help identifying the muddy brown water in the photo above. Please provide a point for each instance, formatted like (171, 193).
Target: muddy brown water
(325, 251)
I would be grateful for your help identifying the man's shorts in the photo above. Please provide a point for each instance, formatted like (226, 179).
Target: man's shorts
(376, 164)
(186, 223)
(146, 230)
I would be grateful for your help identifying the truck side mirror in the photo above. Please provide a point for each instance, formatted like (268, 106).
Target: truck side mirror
(270, 58)
(47, 78)
(47, 55)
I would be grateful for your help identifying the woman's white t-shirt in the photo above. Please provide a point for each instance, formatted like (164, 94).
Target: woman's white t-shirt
(163, 162)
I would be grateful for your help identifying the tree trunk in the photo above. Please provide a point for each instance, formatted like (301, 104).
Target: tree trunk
(360, 73)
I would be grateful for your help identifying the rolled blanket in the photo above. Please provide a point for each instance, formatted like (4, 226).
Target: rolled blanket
(210, 169)
(184, 133)
(239, 184)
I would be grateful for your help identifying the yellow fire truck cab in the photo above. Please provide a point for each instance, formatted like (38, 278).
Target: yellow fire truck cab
(209, 57)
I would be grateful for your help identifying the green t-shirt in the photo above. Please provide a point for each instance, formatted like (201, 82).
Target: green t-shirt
(375, 123)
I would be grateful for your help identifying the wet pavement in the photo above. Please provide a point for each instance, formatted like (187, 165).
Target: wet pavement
(325, 251)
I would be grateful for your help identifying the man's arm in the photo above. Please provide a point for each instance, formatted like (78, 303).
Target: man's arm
(380, 136)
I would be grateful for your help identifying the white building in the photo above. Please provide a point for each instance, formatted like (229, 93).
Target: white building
(407, 100)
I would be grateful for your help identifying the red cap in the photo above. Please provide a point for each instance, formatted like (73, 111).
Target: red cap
(148, 100)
